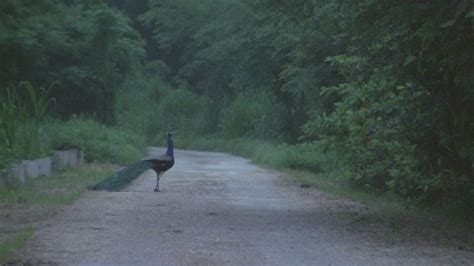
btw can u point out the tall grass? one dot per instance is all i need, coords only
(22, 109)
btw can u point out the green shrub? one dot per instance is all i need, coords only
(382, 132)
(151, 107)
(252, 115)
(100, 143)
(136, 104)
(183, 111)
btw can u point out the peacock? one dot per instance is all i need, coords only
(129, 173)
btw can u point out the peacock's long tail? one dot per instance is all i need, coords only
(123, 177)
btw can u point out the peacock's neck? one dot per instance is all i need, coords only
(170, 150)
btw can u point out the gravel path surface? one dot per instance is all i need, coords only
(217, 209)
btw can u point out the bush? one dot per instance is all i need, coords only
(99, 143)
(136, 104)
(384, 134)
(254, 115)
(183, 111)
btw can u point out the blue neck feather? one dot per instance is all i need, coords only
(170, 150)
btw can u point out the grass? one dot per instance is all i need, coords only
(45, 194)
(60, 189)
(17, 242)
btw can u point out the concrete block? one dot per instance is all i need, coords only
(68, 158)
(81, 157)
(36, 168)
(18, 170)
(3, 177)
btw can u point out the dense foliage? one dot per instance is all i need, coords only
(386, 85)
(99, 143)
(86, 46)
(382, 88)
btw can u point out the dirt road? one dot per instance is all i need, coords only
(217, 209)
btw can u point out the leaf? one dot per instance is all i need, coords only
(409, 59)
(448, 23)
(470, 14)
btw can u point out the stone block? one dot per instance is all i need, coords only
(68, 158)
(18, 170)
(36, 168)
(3, 177)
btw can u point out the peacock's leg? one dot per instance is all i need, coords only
(158, 176)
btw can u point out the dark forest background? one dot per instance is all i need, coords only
(377, 93)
